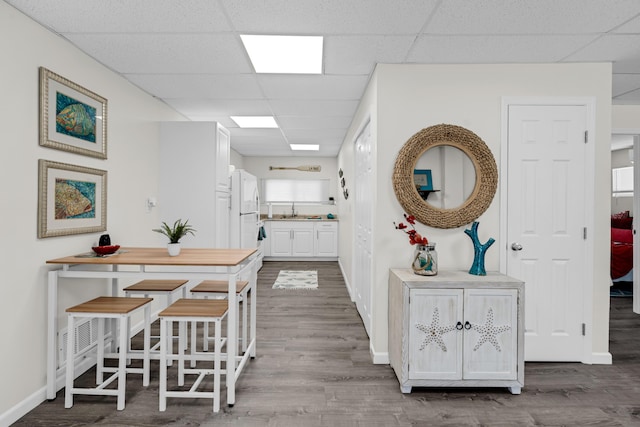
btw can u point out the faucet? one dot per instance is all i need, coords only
(293, 209)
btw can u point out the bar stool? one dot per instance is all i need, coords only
(219, 289)
(192, 310)
(148, 287)
(119, 308)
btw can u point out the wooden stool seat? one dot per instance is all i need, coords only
(192, 310)
(156, 286)
(120, 308)
(218, 286)
(196, 308)
(109, 305)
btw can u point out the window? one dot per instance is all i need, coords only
(295, 190)
(622, 182)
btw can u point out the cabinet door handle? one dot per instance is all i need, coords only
(459, 326)
(467, 325)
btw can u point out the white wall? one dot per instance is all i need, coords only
(132, 167)
(412, 97)
(259, 166)
(626, 120)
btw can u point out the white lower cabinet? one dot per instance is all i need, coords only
(291, 239)
(456, 329)
(302, 239)
(326, 239)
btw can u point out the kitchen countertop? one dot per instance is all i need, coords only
(298, 217)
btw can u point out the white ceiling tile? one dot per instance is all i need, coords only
(633, 26)
(314, 107)
(360, 54)
(166, 53)
(632, 98)
(620, 49)
(624, 83)
(324, 122)
(199, 86)
(530, 17)
(313, 87)
(229, 107)
(329, 16)
(323, 135)
(494, 49)
(139, 16)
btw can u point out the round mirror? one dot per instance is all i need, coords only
(450, 180)
(411, 183)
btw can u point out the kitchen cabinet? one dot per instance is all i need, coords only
(326, 239)
(456, 330)
(194, 180)
(302, 239)
(292, 239)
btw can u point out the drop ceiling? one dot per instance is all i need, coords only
(189, 53)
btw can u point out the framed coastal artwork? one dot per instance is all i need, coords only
(72, 118)
(71, 199)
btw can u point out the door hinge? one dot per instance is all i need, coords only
(584, 233)
(586, 136)
(584, 329)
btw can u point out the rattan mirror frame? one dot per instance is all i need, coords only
(481, 157)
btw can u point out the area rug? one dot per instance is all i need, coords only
(296, 279)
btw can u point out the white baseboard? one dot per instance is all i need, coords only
(346, 280)
(378, 358)
(23, 407)
(601, 358)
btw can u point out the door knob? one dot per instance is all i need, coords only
(516, 246)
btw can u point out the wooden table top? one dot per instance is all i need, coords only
(160, 256)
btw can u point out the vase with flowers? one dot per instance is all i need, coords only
(425, 257)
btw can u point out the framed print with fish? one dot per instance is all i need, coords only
(72, 118)
(71, 199)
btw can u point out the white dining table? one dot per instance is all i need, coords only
(193, 264)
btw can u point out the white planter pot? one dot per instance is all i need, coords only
(174, 249)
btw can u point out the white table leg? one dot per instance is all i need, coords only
(232, 341)
(253, 282)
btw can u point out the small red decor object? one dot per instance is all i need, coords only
(414, 237)
(105, 250)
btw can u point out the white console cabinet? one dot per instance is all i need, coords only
(456, 330)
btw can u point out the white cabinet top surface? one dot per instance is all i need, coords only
(454, 278)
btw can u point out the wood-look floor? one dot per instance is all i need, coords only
(313, 369)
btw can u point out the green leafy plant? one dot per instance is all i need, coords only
(177, 231)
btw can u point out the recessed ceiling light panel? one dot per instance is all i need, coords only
(255, 121)
(284, 54)
(307, 147)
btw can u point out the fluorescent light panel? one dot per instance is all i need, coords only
(284, 54)
(255, 121)
(307, 147)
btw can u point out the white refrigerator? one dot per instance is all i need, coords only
(244, 224)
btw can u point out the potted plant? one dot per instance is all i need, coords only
(175, 233)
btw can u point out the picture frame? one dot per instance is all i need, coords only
(72, 118)
(71, 199)
(422, 179)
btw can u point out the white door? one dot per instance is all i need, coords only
(363, 225)
(546, 225)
